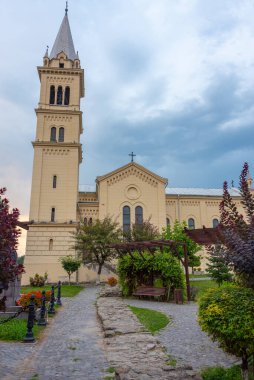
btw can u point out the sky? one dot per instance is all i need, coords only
(172, 81)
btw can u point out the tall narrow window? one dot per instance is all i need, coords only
(51, 244)
(85, 221)
(61, 134)
(138, 215)
(126, 218)
(54, 181)
(53, 134)
(191, 224)
(67, 96)
(52, 95)
(90, 221)
(215, 222)
(53, 214)
(60, 95)
(168, 221)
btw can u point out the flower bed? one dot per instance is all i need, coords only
(25, 298)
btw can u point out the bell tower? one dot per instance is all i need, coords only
(57, 156)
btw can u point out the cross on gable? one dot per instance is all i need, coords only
(132, 156)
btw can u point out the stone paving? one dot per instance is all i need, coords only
(184, 339)
(134, 353)
(70, 348)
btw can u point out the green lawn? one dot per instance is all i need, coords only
(66, 290)
(16, 330)
(151, 319)
(202, 286)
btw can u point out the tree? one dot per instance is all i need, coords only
(217, 267)
(226, 313)
(70, 264)
(142, 232)
(9, 233)
(92, 242)
(177, 233)
(237, 233)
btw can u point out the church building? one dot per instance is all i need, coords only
(131, 193)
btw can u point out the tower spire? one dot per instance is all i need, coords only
(64, 41)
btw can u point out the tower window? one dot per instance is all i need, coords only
(215, 222)
(54, 181)
(61, 65)
(138, 215)
(52, 95)
(85, 221)
(60, 95)
(168, 221)
(50, 244)
(61, 134)
(126, 218)
(90, 221)
(53, 214)
(53, 134)
(191, 224)
(67, 96)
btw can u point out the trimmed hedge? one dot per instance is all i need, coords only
(227, 314)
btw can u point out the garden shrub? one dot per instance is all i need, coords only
(37, 280)
(134, 271)
(25, 298)
(112, 281)
(226, 314)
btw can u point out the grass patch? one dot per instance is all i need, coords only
(219, 373)
(110, 370)
(171, 361)
(151, 319)
(205, 275)
(15, 330)
(66, 290)
(202, 286)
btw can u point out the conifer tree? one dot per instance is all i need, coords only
(217, 267)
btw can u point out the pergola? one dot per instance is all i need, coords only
(141, 246)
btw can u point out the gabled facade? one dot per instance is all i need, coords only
(129, 194)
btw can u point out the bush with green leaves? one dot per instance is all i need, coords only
(161, 268)
(70, 264)
(220, 373)
(226, 314)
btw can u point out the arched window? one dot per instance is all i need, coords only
(126, 218)
(50, 244)
(215, 222)
(138, 215)
(60, 95)
(85, 221)
(191, 224)
(53, 134)
(54, 181)
(67, 96)
(90, 221)
(53, 214)
(61, 134)
(168, 221)
(52, 95)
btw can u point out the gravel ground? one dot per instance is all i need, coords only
(184, 339)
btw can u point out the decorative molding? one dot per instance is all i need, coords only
(59, 80)
(132, 171)
(190, 203)
(212, 203)
(55, 118)
(56, 151)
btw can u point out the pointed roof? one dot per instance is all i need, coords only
(64, 41)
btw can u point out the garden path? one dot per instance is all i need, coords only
(70, 348)
(184, 339)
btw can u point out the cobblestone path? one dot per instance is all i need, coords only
(70, 348)
(184, 339)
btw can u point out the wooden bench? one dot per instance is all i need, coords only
(150, 291)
